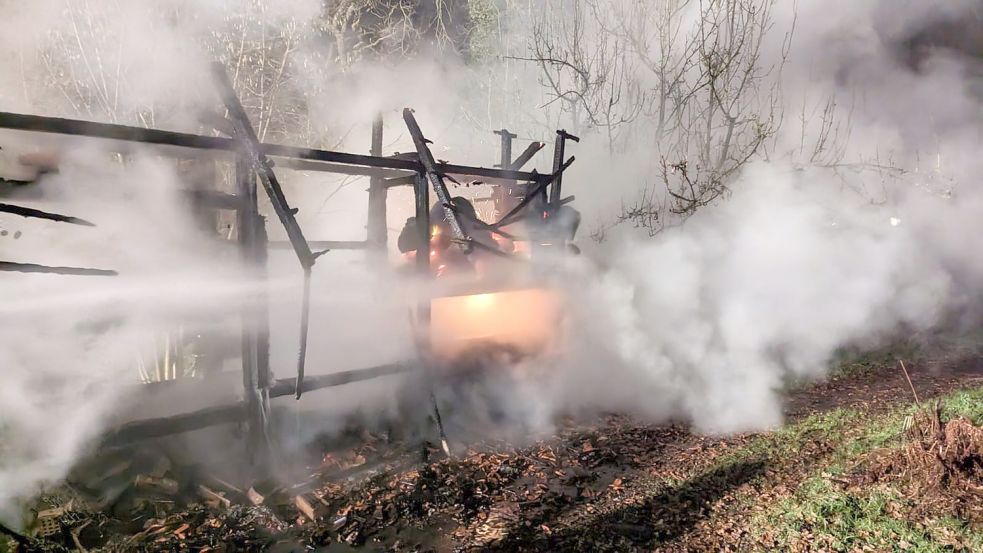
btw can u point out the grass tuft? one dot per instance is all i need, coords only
(820, 515)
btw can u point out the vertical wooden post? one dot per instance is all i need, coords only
(421, 191)
(377, 232)
(503, 195)
(255, 314)
(421, 188)
(506, 150)
(558, 153)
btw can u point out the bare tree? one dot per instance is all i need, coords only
(690, 71)
(590, 72)
(258, 50)
(94, 63)
(84, 71)
(88, 67)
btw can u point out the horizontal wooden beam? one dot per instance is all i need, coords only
(75, 127)
(336, 168)
(213, 199)
(14, 267)
(326, 244)
(407, 180)
(32, 213)
(287, 386)
(225, 414)
(165, 426)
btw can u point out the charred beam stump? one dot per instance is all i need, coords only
(376, 231)
(255, 316)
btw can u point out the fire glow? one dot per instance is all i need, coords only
(524, 319)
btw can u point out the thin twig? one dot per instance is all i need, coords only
(908, 378)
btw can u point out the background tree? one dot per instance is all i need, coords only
(686, 75)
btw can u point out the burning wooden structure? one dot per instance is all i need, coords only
(514, 190)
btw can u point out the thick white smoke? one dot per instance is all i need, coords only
(708, 321)
(71, 345)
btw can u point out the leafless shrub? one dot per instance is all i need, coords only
(691, 71)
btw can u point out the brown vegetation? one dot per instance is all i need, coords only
(941, 463)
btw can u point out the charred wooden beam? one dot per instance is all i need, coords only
(253, 153)
(11, 266)
(278, 388)
(421, 192)
(506, 148)
(558, 153)
(255, 315)
(305, 322)
(516, 165)
(208, 198)
(421, 195)
(38, 214)
(214, 199)
(238, 412)
(483, 225)
(512, 215)
(287, 386)
(407, 180)
(327, 245)
(338, 168)
(436, 181)
(376, 230)
(75, 127)
(166, 426)
(526, 155)
(503, 195)
(463, 172)
(338, 157)
(252, 149)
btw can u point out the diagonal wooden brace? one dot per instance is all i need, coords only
(510, 217)
(436, 181)
(252, 148)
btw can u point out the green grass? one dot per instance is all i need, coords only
(789, 440)
(817, 513)
(826, 517)
(965, 403)
(857, 362)
(822, 515)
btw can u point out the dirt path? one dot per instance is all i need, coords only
(880, 387)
